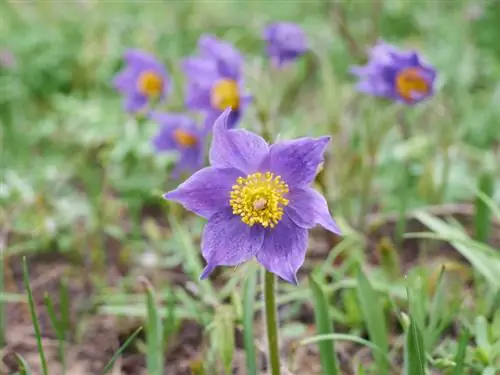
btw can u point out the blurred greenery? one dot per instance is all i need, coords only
(79, 178)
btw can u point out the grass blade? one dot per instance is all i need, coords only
(482, 217)
(154, 333)
(324, 326)
(414, 350)
(461, 352)
(59, 328)
(24, 368)
(373, 315)
(34, 319)
(122, 348)
(3, 266)
(249, 290)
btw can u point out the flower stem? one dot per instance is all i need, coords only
(271, 322)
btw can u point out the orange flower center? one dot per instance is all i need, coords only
(184, 139)
(224, 94)
(410, 81)
(150, 84)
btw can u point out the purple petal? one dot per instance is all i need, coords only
(197, 96)
(296, 161)
(200, 70)
(284, 249)
(205, 192)
(236, 148)
(135, 102)
(125, 80)
(229, 60)
(191, 159)
(227, 241)
(307, 208)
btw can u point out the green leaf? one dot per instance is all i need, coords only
(461, 353)
(482, 217)
(34, 318)
(324, 326)
(119, 352)
(222, 336)
(248, 321)
(414, 352)
(24, 368)
(373, 314)
(155, 356)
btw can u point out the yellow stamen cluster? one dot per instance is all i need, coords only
(409, 81)
(150, 84)
(183, 138)
(225, 93)
(259, 199)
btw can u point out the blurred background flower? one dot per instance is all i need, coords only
(285, 42)
(398, 75)
(178, 132)
(144, 80)
(215, 81)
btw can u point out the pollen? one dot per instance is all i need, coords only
(410, 81)
(259, 198)
(150, 84)
(225, 94)
(184, 139)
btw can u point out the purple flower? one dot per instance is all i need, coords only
(179, 133)
(7, 59)
(143, 80)
(215, 81)
(257, 199)
(285, 42)
(395, 74)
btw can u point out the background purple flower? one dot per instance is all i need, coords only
(214, 81)
(179, 133)
(285, 42)
(257, 199)
(395, 74)
(144, 79)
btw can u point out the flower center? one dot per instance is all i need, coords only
(224, 94)
(150, 83)
(410, 81)
(184, 139)
(259, 198)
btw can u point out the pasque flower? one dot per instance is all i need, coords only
(142, 81)
(179, 133)
(397, 75)
(214, 80)
(285, 42)
(258, 200)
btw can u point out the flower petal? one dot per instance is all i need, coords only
(205, 192)
(190, 160)
(135, 102)
(284, 249)
(229, 60)
(307, 208)
(236, 148)
(296, 161)
(227, 241)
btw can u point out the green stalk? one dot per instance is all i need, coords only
(482, 218)
(271, 322)
(405, 182)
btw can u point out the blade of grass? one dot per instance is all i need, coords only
(249, 290)
(482, 217)
(122, 348)
(34, 319)
(438, 309)
(324, 326)
(24, 368)
(59, 328)
(461, 352)
(374, 318)
(154, 333)
(414, 350)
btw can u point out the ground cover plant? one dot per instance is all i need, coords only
(250, 187)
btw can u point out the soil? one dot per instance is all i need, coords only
(93, 338)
